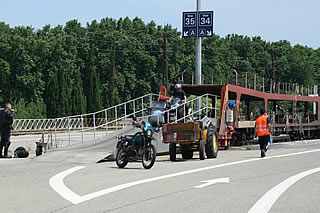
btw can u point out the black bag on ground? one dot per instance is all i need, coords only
(21, 152)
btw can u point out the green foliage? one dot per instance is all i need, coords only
(30, 109)
(72, 69)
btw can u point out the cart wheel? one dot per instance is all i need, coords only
(186, 152)
(201, 150)
(172, 151)
(212, 146)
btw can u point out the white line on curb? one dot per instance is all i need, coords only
(56, 182)
(265, 203)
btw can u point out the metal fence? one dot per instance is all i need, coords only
(87, 127)
(252, 81)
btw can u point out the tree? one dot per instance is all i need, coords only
(92, 85)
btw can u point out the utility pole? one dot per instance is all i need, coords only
(165, 60)
(198, 59)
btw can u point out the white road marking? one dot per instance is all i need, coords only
(56, 182)
(211, 182)
(265, 203)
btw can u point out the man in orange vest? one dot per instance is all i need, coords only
(263, 131)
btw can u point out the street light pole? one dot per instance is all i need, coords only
(198, 60)
(236, 76)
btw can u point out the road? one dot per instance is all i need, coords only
(287, 180)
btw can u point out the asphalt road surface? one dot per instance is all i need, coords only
(287, 180)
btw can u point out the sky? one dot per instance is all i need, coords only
(294, 20)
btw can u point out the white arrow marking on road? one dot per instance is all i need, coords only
(210, 182)
(265, 203)
(56, 182)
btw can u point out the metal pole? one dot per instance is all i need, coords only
(198, 60)
(69, 131)
(55, 132)
(246, 79)
(142, 109)
(236, 76)
(125, 113)
(94, 126)
(207, 105)
(82, 128)
(215, 107)
(116, 115)
(134, 108)
(192, 78)
(106, 114)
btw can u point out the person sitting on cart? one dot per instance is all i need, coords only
(179, 93)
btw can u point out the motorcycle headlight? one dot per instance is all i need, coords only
(149, 133)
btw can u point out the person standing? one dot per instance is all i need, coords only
(262, 130)
(5, 127)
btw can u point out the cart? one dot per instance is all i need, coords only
(192, 136)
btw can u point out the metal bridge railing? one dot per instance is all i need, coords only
(207, 108)
(87, 127)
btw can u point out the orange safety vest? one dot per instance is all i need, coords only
(262, 127)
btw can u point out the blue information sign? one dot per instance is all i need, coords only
(197, 24)
(205, 24)
(189, 24)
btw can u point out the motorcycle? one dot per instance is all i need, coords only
(131, 148)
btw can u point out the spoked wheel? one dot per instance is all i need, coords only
(121, 159)
(201, 150)
(172, 151)
(149, 157)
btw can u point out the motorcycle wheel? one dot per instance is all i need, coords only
(149, 157)
(121, 160)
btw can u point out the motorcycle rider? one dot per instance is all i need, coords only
(179, 93)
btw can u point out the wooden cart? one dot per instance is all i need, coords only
(192, 136)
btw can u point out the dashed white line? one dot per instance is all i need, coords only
(56, 182)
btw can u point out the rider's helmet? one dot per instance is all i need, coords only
(177, 87)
